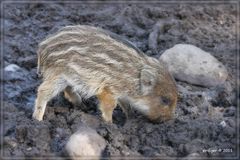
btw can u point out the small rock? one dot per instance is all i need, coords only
(13, 72)
(193, 156)
(29, 149)
(84, 143)
(193, 65)
(11, 68)
(223, 124)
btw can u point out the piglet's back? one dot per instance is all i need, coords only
(92, 53)
(88, 46)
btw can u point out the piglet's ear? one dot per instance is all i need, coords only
(148, 78)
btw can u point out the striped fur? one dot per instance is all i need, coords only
(90, 59)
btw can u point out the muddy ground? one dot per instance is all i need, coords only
(206, 118)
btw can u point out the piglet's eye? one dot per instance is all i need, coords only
(164, 100)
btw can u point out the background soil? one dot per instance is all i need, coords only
(206, 118)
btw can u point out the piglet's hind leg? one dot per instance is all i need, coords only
(46, 91)
(107, 104)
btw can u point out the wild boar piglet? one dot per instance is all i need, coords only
(84, 61)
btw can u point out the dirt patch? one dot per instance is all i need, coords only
(206, 118)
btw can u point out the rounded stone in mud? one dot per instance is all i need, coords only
(193, 65)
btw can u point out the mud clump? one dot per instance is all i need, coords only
(206, 118)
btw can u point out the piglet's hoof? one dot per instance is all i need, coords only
(37, 116)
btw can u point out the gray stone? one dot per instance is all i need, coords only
(193, 65)
(11, 68)
(85, 143)
(223, 124)
(13, 72)
(193, 156)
